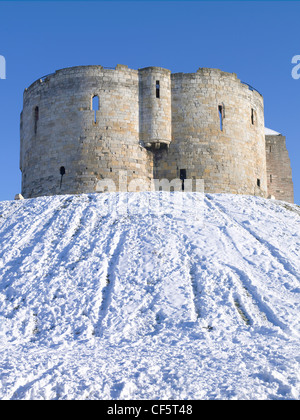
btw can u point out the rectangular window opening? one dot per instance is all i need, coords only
(36, 118)
(157, 89)
(220, 110)
(95, 106)
(258, 182)
(253, 116)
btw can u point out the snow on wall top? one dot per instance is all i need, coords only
(269, 132)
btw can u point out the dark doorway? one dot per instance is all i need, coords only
(36, 118)
(62, 172)
(182, 177)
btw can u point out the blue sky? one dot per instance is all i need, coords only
(255, 39)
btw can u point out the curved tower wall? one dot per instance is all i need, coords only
(155, 106)
(231, 159)
(67, 135)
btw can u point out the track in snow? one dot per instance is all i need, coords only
(220, 271)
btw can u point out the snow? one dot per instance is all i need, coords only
(149, 296)
(269, 132)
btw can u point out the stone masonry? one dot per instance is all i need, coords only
(86, 126)
(279, 173)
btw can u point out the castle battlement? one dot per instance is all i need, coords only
(94, 122)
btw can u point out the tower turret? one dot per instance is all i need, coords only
(155, 106)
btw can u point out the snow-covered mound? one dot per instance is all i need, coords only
(149, 296)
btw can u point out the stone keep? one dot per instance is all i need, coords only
(125, 128)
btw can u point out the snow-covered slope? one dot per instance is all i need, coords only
(149, 296)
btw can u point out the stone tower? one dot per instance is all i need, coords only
(279, 172)
(217, 134)
(88, 124)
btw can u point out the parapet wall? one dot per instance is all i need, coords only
(149, 123)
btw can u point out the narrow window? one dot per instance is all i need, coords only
(157, 89)
(62, 171)
(36, 118)
(253, 116)
(271, 179)
(95, 106)
(182, 177)
(221, 116)
(270, 149)
(258, 182)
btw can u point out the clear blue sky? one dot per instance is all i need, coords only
(256, 40)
